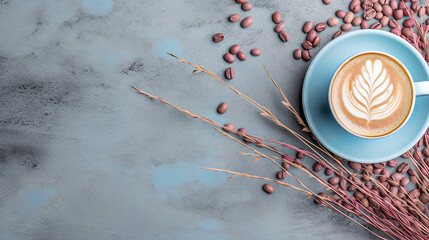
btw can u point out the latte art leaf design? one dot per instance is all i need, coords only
(371, 95)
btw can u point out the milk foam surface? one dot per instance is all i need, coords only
(372, 95)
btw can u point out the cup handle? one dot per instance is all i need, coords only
(422, 88)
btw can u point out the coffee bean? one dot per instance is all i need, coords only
(378, 165)
(427, 158)
(394, 4)
(334, 180)
(396, 31)
(408, 23)
(346, 27)
(367, 4)
(284, 36)
(234, 49)
(398, 14)
(384, 21)
(242, 130)
(351, 188)
(286, 166)
(385, 172)
(279, 27)
(408, 32)
(332, 22)
(418, 155)
(307, 26)
(340, 13)
(229, 127)
(424, 197)
(218, 37)
(365, 202)
(247, 6)
(402, 5)
(408, 14)
(427, 10)
(358, 195)
(277, 17)
(349, 17)
(247, 22)
(415, 6)
(377, 7)
(338, 33)
(355, 166)
(366, 177)
(311, 36)
(234, 18)
(281, 175)
(426, 151)
(414, 179)
(241, 56)
(393, 23)
(317, 167)
(415, 193)
(297, 53)
(329, 171)
(369, 14)
(268, 188)
(368, 185)
(376, 25)
(306, 55)
(404, 181)
(383, 2)
(392, 163)
(382, 179)
(229, 73)
(403, 167)
(327, 2)
(421, 12)
(397, 176)
(316, 41)
(320, 27)
(307, 45)
(229, 58)
(394, 190)
(379, 15)
(364, 24)
(240, 1)
(256, 52)
(222, 108)
(300, 155)
(378, 170)
(387, 11)
(412, 172)
(357, 21)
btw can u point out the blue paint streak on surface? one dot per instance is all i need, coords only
(210, 225)
(169, 45)
(97, 7)
(34, 198)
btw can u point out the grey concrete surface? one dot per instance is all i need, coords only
(82, 156)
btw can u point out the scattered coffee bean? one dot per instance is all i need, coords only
(392, 163)
(424, 197)
(229, 58)
(384, 21)
(379, 15)
(402, 5)
(234, 18)
(247, 6)
(349, 17)
(297, 53)
(397, 176)
(320, 27)
(382, 179)
(385, 172)
(387, 11)
(316, 41)
(404, 181)
(358, 195)
(332, 22)
(393, 23)
(421, 12)
(327, 2)
(283, 36)
(241, 56)
(317, 167)
(367, 4)
(256, 52)
(338, 33)
(307, 45)
(311, 36)
(396, 31)
(415, 193)
(378, 165)
(346, 27)
(268, 188)
(356, 9)
(334, 180)
(357, 21)
(307, 27)
(377, 7)
(394, 4)
(415, 6)
(383, 2)
(306, 55)
(242, 130)
(222, 108)
(414, 179)
(277, 17)
(408, 32)
(406, 13)
(229, 127)
(340, 13)
(281, 175)
(408, 23)
(403, 167)
(398, 14)
(286, 166)
(234, 49)
(426, 151)
(329, 171)
(218, 37)
(355, 166)
(279, 27)
(364, 24)
(365, 202)
(300, 155)
(412, 172)
(351, 188)
(394, 190)
(229, 73)
(247, 22)
(376, 25)
(240, 1)
(378, 170)
(369, 14)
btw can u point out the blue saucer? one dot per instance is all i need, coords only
(315, 97)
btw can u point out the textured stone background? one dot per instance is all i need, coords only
(82, 156)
